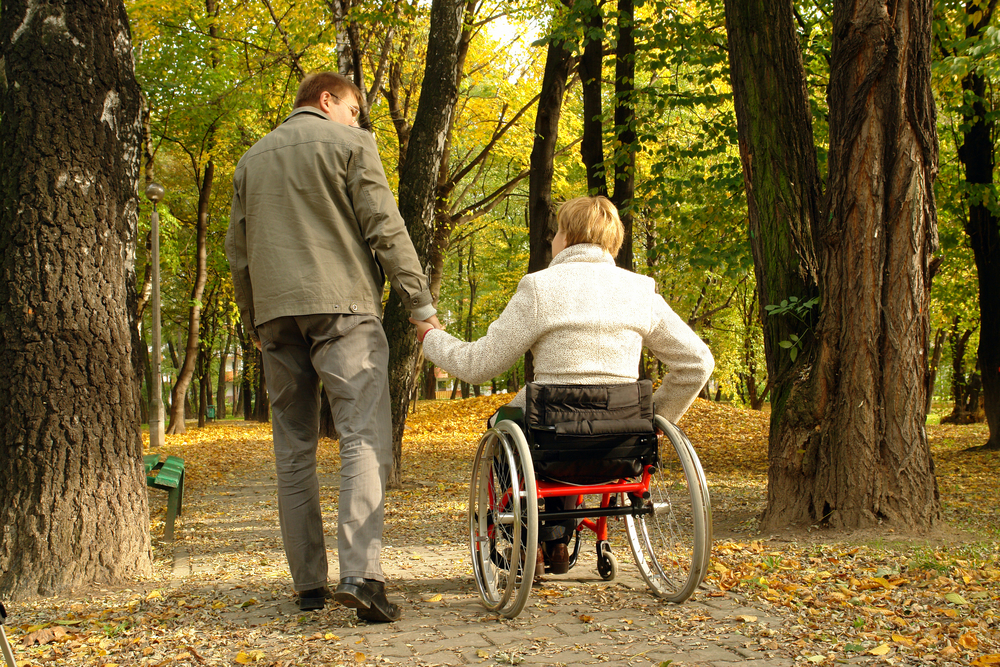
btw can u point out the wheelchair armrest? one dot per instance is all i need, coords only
(514, 414)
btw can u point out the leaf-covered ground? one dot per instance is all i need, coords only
(874, 598)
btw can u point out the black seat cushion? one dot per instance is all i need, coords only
(587, 434)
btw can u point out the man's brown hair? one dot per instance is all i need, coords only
(314, 85)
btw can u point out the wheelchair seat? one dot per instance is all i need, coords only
(589, 434)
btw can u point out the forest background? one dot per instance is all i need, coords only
(777, 166)
(219, 75)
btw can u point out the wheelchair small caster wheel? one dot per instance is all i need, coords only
(607, 564)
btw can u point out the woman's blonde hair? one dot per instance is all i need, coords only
(591, 220)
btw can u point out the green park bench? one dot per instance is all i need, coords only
(167, 475)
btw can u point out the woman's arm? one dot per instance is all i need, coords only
(689, 361)
(506, 340)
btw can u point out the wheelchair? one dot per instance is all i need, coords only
(587, 440)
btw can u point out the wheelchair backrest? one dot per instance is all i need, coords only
(589, 433)
(590, 409)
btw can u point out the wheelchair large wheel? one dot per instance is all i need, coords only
(503, 519)
(672, 546)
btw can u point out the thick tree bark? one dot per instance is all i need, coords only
(780, 177)
(872, 461)
(186, 372)
(73, 504)
(418, 180)
(983, 226)
(847, 446)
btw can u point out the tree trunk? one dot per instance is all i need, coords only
(220, 391)
(248, 354)
(847, 446)
(204, 383)
(186, 371)
(932, 369)
(262, 406)
(541, 209)
(983, 226)
(625, 147)
(984, 236)
(430, 381)
(417, 184)
(782, 185)
(146, 375)
(961, 383)
(591, 70)
(327, 427)
(73, 504)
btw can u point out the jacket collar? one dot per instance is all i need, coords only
(306, 109)
(583, 252)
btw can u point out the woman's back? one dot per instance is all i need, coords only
(585, 321)
(592, 318)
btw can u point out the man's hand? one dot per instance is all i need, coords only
(423, 326)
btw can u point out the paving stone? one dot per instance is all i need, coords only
(393, 651)
(441, 658)
(458, 643)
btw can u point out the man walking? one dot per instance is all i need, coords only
(313, 232)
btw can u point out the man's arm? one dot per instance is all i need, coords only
(239, 265)
(384, 230)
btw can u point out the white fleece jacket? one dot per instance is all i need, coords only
(585, 321)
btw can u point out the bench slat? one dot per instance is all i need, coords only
(169, 477)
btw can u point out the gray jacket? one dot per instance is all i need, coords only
(314, 226)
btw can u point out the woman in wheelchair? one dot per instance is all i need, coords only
(585, 321)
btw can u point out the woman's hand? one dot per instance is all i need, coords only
(423, 326)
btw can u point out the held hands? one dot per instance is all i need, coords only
(423, 326)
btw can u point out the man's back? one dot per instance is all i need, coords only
(319, 219)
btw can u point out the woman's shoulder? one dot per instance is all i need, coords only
(585, 271)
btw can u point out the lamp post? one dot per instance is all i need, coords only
(154, 192)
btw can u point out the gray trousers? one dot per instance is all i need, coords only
(349, 355)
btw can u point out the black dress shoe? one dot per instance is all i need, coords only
(313, 599)
(368, 597)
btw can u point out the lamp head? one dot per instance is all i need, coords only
(154, 192)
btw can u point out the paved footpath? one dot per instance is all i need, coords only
(571, 619)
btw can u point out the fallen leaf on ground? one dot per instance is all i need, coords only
(44, 636)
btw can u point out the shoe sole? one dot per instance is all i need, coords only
(353, 599)
(376, 615)
(308, 604)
